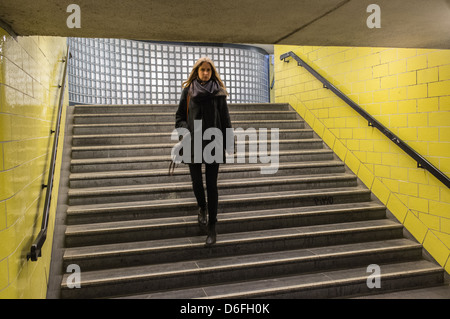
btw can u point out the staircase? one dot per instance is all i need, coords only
(308, 231)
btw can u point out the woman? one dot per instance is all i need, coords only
(204, 100)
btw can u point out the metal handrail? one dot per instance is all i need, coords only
(35, 250)
(421, 161)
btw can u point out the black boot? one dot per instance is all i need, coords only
(211, 239)
(202, 212)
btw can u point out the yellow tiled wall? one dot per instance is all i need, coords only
(30, 71)
(408, 91)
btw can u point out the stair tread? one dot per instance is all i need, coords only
(167, 157)
(262, 287)
(171, 113)
(224, 239)
(92, 191)
(84, 136)
(238, 215)
(224, 198)
(185, 170)
(159, 145)
(78, 125)
(251, 260)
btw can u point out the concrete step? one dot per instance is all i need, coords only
(95, 213)
(161, 162)
(200, 272)
(171, 108)
(133, 150)
(166, 117)
(158, 138)
(232, 244)
(343, 283)
(155, 127)
(117, 194)
(238, 221)
(181, 174)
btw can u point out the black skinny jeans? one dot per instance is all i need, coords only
(211, 173)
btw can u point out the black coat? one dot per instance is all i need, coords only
(212, 111)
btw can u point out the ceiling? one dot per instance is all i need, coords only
(408, 24)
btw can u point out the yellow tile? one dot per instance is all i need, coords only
(408, 106)
(429, 220)
(329, 138)
(427, 75)
(416, 63)
(417, 175)
(366, 176)
(389, 82)
(388, 55)
(2, 216)
(408, 188)
(397, 208)
(5, 127)
(439, 119)
(406, 53)
(444, 72)
(439, 149)
(381, 96)
(371, 60)
(437, 58)
(382, 171)
(380, 70)
(389, 159)
(398, 120)
(418, 91)
(6, 184)
(397, 67)
(408, 78)
(417, 119)
(419, 204)
(4, 274)
(398, 94)
(428, 133)
(416, 227)
(439, 208)
(399, 173)
(408, 133)
(444, 134)
(380, 191)
(352, 162)
(428, 105)
(439, 88)
(436, 248)
(1, 157)
(340, 149)
(429, 192)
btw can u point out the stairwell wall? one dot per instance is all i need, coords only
(30, 71)
(408, 91)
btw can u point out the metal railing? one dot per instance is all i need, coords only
(35, 250)
(421, 161)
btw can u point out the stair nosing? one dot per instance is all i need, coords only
(185, 202)
(398, 245)
(234, 168)
(141, 247)
(136, 225)
(226, 183)
(167, 157)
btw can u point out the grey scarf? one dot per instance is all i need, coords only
(209, 89)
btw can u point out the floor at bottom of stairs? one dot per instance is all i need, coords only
(439, 292)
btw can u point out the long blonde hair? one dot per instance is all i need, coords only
(194, 73)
